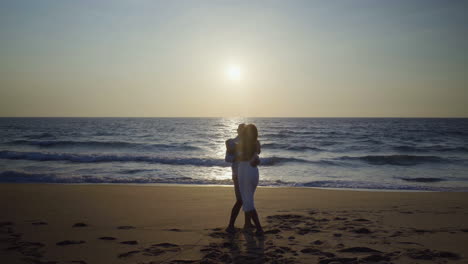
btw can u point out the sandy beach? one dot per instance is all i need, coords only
(55, 223)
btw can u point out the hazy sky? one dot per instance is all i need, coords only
(294, 58)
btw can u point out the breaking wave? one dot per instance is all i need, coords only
(89, 158)
(25, 177)
(102, 144)
(400, 160)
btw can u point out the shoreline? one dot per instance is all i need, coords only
(227, 186)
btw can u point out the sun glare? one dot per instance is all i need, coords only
(234, 73)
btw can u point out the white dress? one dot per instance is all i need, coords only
(248, 177)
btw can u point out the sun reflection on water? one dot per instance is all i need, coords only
(225, 129)
(220, 174)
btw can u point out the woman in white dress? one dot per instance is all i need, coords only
(248, 175)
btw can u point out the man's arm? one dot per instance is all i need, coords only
(230, 152)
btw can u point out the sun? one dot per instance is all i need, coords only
(234, 73)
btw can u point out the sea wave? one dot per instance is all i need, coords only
(270, 161)
(400, 160)
(421, 179)
(436, 148)
(377, 186)
(40, 136)
(289, 147)
(90, 158)
(25, 177)
(101, 144)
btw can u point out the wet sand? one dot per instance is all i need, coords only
(55, 223)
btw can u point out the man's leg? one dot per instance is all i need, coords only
(234, 213)
(237, 206)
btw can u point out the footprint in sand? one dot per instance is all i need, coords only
(158, 249)
(70, 242)
(317, 242)
(273, 231)
(128, 254)
(337, 260)
(314, 251)
(80, 225)
(126, 227)
(428, 254)
(359, 250)
(361, 220)
(375, 258)
(39, 223)
(304, 230)
(130, 242)
(107, 238)
(27, 248)
(180, 261)
(362, 231)
(340, 218)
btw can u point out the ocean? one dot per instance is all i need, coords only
(419, 154)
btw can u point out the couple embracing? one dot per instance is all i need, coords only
(242, 151)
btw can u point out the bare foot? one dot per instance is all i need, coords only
(231, 229)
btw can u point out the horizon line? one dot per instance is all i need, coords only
(452, 117)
